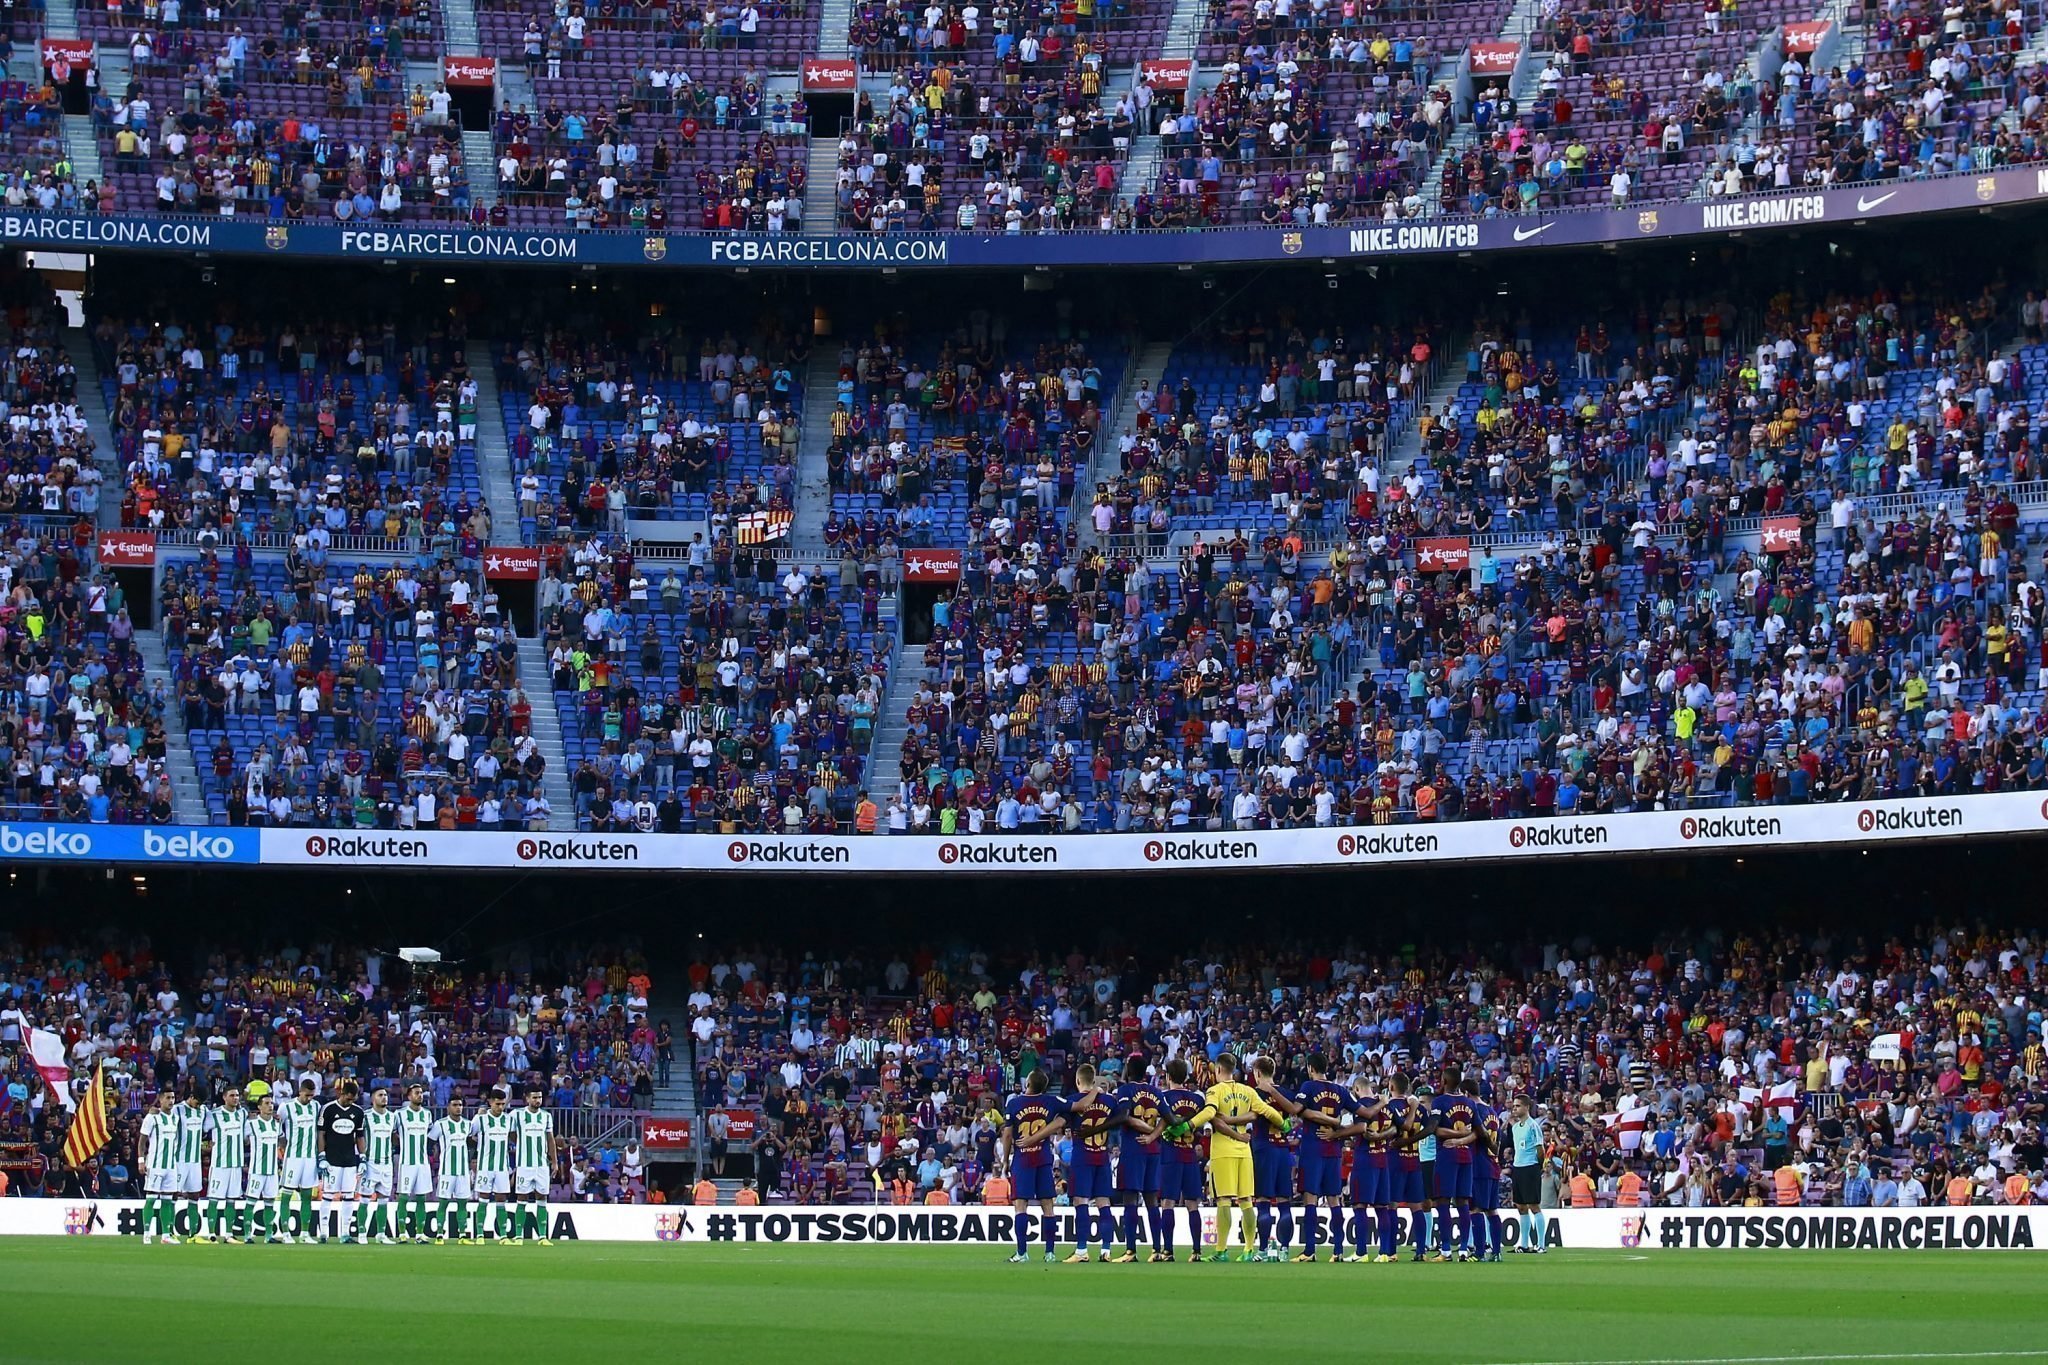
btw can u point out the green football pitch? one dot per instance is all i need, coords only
(92, 1299)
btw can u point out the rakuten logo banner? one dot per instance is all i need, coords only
(1391, 843)
(1561, 836)
(1904, 819)
(1740, 828)
(1001, 853)
(762, 853)
(577, 852)
(1213, 851)
(365, 848)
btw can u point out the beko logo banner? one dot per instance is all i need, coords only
(126, 844)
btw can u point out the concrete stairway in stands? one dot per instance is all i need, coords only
(1406, 444)
(1148, 369)
(189, 799)
(458, 17)
(92, 401)
(547, 731)
(821, 190)
(83, 149)
(480, 161)
(494, 447)
(834, 28)
(884, 776)
(813, 463)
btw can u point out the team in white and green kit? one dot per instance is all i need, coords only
(421, 1176)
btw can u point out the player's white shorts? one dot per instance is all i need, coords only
(494, 1182)
(453, 1187)
(262, 1187)
(531, 1181)
(224, 1183)
(301, 1172)
(189, 1181)
(376, 1182)
(341, 1181)
(163, 1180)
(415, 1180)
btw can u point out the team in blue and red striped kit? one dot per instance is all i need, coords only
(1432, 1155)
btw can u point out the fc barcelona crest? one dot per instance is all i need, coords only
(1646, 221)
(1987, 187)
(654, 248)
(277, 238)
(1290, 242)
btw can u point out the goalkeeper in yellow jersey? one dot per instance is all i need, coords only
(1228, 1108)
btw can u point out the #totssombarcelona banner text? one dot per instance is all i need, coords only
(976, 1226)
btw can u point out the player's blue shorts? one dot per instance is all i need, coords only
(1321, 1175)
(1272, 1173)
(1453, 1180)
(1182, 1181)
(1029, 1184)
(1138, 1173)
(1088, 1182)
(1485, 1187)
(1404, 1183)
(1370, 1183)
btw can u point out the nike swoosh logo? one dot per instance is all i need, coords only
(1866, 205)
(1524, 234)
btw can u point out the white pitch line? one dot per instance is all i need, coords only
(1788, 1360)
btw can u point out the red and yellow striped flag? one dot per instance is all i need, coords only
(88, 1131)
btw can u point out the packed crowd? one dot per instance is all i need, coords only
(82, 737)
(316, 426)
(652, 117)
(1308, 131)
(1035, 152)
(1622, 659)
(717, 160)
(575, 1026)
(1704, 1072)
(732, 695)
(279, 124)
(48, 465)
(976, 438)
(354, 696)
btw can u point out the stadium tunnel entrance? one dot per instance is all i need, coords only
(916, 604)
(519, 601)
(829, 113)
(471, 106)
(138, 591)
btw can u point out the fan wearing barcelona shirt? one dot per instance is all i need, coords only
(1031, 1120)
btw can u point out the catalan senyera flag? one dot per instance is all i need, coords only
(762, 528)
(88, 1132)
